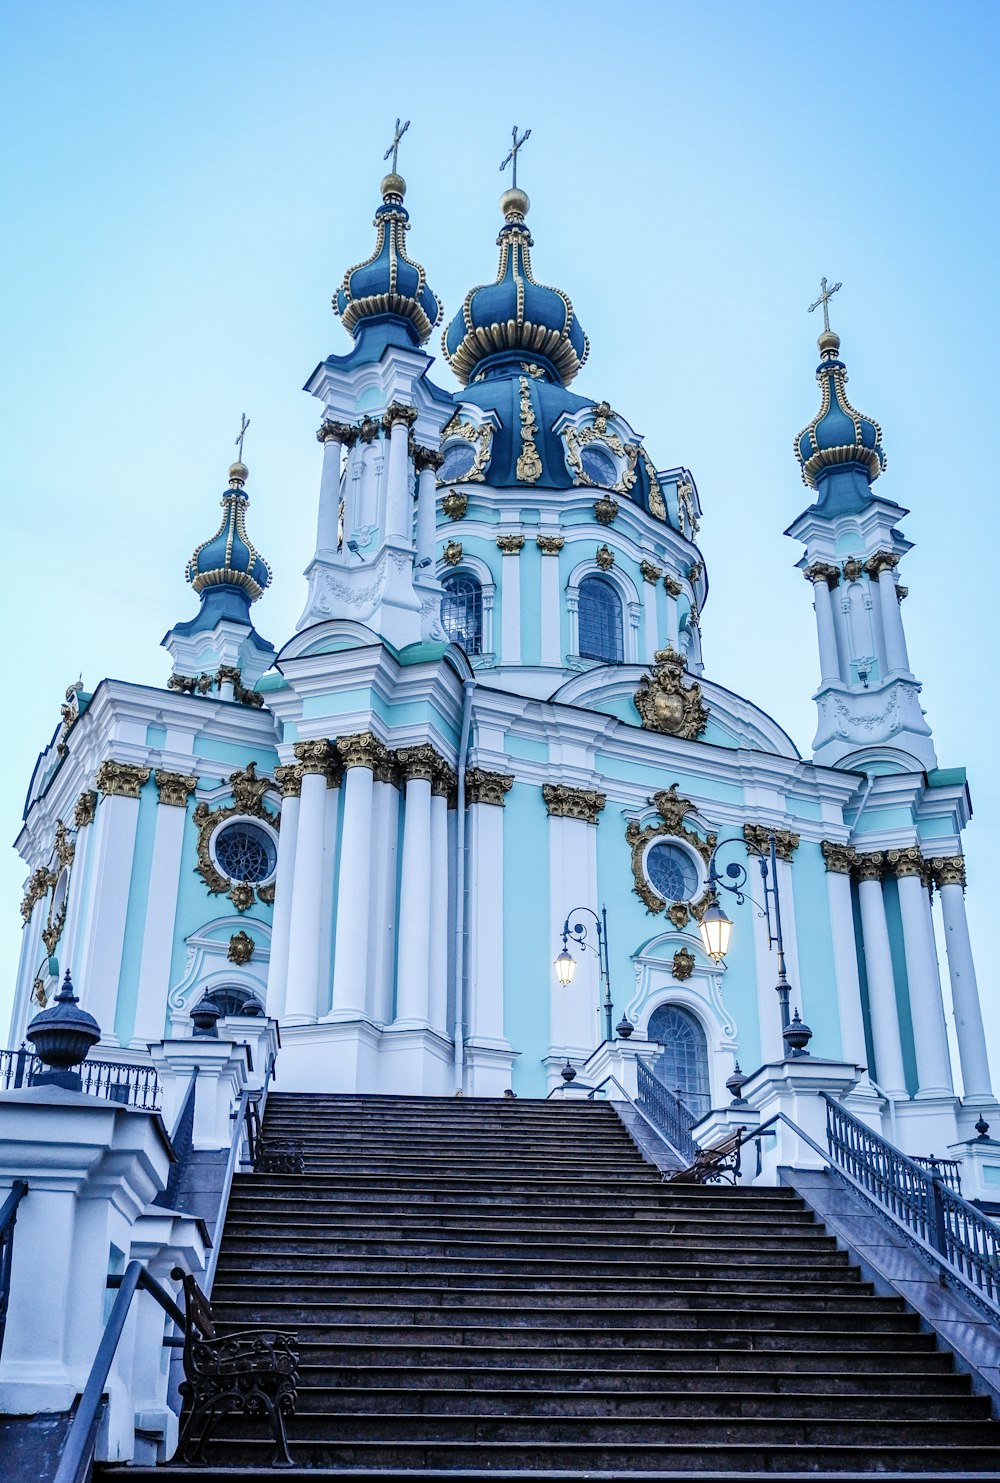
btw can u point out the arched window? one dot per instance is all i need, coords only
(233, 1000)
(462, 611)
(600, 619)
(682, 1064)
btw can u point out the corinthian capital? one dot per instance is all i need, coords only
(289, 779)
(870, 866)
(487, 787)
(174, 787)
(948, 870)
(510, 545)
(399, 412)
(336, 432)
(840, 858)
(882, 561)
(363, 749)
(314, 756)
(121, 779)
(822, 571)
(908, 861)
(418, 764)
(572, 803)
(426, 458)
(758, 841)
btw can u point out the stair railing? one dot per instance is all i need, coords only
(247, 1119)
(672, 1117)
(8, 1215)
(964, 1243)
(128, 1082)
(78, 1453)
(654, 1128)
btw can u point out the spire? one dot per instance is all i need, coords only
(228, 573)
(501, 323)
(840, 451)
(389, 286)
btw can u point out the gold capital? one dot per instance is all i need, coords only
(363, 749)
(840, 858)
(418, 764)
(550, 545)
(948, 870)
(314, 756)
(907, 861)
(174, 787)
(563, 802)
(822, 571)
(510, 545)
(757, 840)
(870, 866)
(487, 787)
(426, 458)
(882, 561)
(336, 432)
(398, 412)
(289, 779)
(121, 779)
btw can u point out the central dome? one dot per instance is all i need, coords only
(500, 323)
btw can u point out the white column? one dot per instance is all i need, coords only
(551, 606)
(76, 900)
(930, 1034)
(484, 962)
(354, 883)
(821, 575)
(881, 568)
(427, 462)
(510, 598)
(650, 640)
(889, 1071)
(414, 946)
(962, 972)
(302, 990)
(384, 875)
(290, 781)
(174, 789)
(673, 623)
(845, 957)
(399, 512)
(440, 887)
(332, 435)
(576, 1024)
(96, 979)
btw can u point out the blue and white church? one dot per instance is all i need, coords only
(496, 711)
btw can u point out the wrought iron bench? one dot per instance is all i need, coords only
(253, 1372)
(713, 1164)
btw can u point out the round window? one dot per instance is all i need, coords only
(671, 872)
(245, 852)
(458, 461)
(599, 466)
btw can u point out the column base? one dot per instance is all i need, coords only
(926, 1125)
(488, 1067)
(415, 1061)
(339, 1056)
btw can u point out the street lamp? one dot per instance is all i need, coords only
(716, 928)
(565, 963)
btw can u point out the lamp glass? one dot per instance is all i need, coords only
(716, 929)
(565, 966)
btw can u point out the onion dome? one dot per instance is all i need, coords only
(388, 284)
(839, 440)
(503, 322)
(229, 563)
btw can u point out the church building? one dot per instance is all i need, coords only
(494, 740)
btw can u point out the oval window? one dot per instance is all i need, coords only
(671, 872)
(245, 851)
(599, 466)
(458, 461)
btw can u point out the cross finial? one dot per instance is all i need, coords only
(394, 146)
(244, 424)
(515, 145)
(825, 295)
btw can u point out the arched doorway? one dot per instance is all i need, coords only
(682, 1063)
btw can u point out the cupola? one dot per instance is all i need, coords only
(840, 451)
(228, 563)
(515, 319)
(389, 287)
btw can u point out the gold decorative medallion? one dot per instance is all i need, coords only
(605, 509)
(454, 505)
(650, 573)
(605, 558)
(674, 588)
(453, 553)
(241, 948)
(683, 964)
(666, 704)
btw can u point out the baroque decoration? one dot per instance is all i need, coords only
(511, 545)
(563, 802)
(576, 439)
(241, 948)
(683, 964)
(454, 505)
(666, 704)
(481, 441)
(121, 779)
(529, 464)
(248, 802)
(757, 838)
(673, 810)
(487, 787)
(453, 553)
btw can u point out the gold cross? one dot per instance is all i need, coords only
(244, 424)
(825, 295)
(394, 146)
(515, 145)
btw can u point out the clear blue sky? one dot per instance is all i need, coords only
(184, 185)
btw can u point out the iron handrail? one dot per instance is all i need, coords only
(673, 1117)
(658, 1131)
(247, 1119)
(78, 1454)
(129, 1082)
(8, 1215)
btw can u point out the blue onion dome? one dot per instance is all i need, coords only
(839, 439)
(515, 317)
(229, 561)
(388, 284)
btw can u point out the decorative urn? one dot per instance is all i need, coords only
(62, 1035)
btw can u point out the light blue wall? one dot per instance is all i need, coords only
(816, 992)
(528, 952)
(890, 895)
(135, 917)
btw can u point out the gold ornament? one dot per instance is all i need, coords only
(510, 545)
(673, 810)
(683, 964)
(650, 572)
(248, 799)
(572, 803)
(757, 839)
(605, 509)
(487, 787)
(241, 948)
(85, 809)
(840, 858)
(454, 505)
(174, 788)
(529, 464)
(550, 545)
(121, 779)
(605, 558)
(453, 553)
(666, 704)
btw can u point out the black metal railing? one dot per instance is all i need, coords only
(666, 1110)
(117, 1081)
(8, 1215)
(966, 1242)
(950, 1170)
(76, 1462)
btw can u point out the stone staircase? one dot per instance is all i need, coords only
(508, 1287)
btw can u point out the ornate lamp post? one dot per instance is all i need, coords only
(565, 963)
(716, 928)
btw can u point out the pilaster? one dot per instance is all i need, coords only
(173, 791)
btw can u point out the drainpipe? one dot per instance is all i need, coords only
(870, 776)
(468, 687)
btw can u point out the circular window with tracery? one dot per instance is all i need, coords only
(245, 851)
(459, 459)
(671, 871)
(599, 466)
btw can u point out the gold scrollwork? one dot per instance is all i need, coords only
(529, 464)
(481, 439)
(563, 802)
(657, 504)
(673, 810)
(665, 703)
(682, 966)
(248, 801)
(757, 837)
(576, 440)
